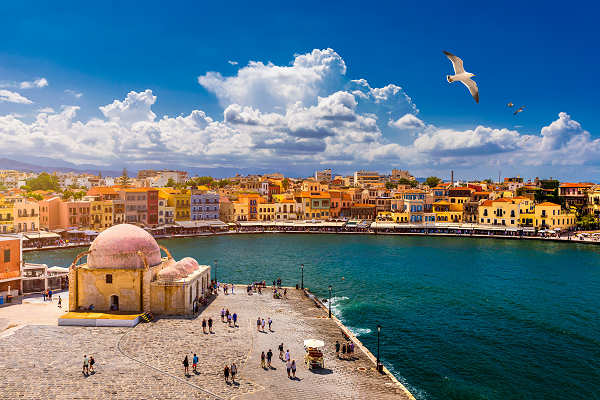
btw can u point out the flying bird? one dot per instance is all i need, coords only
(519, 110)
(462, 76)
(510, 104)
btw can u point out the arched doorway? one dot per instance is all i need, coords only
(114, 303)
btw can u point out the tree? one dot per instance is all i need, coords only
(171, 183)
(204, 180)
(67, 194)
(124, 178)
(43, 181)
(78, 195)
(432, 181)
(390, 185)
(223, 183)
(35, 196)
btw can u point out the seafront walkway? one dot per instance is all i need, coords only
(44, 361)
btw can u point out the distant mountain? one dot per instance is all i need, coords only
(6, 163)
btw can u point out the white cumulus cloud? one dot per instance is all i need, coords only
(38, 83)
(13, 97)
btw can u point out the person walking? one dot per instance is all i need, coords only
(50, 295)
(226, 373)
(270, 322)
(91, 367)
(229, 319)
(287, 356)
(258, 324)
(186, 365)
(223, 314)
(344, 350)
(226, 314)
(210, 325)
(44, 294)
(59, 302)
(195, 363)
(269, 357)
(294, 369)
(233, 372)
(262, 360)
(235, 319)
(337, 348)
(204, 326)
(85, 365)
(288, 367)
(263, 324)
(281, 351)
(232, 289)
(351, 350)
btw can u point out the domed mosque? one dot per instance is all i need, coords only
(126, 272)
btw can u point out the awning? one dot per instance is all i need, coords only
(90, 233)
(58, 270)
(41, 235)
(76, 231)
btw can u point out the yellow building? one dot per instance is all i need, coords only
(551, 216)
(26, 214)
(125, 272)
(316, 205)
(393, 216)
(166, 214)
(593, 200)
(267, 211)
(504, 211)
(180, 200)
(446, 211)
(6, 215)
(286, 210)
(101, 214)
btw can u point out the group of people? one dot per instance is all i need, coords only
(88, 365)
(261, 323)
(47, 295)
(228, 317)
(290, 365)
(186, 364)
(230, 371)
(208, 323)
(346, 349)
(228, 288)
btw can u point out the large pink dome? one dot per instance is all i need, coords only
(118, 246)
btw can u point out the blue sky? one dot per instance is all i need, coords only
(542, 56)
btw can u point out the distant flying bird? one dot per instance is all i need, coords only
(462, 76)
(510, 104)
(519, 110)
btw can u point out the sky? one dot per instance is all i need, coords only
(299, 86)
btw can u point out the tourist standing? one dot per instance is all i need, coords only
(258, 324)
(223, 314)
(204, 326)
(262, 360)
(186, 365)
(85, 365)
(294, 369)
(44, 294)
(288, 367)
(344, 350)
(210, 325)
(92, 362)
(235, 319)
(232, 289)
(281, 351)
(233, 372)
(59, 302)
(195, 363)
(269, 357)
(270, 322)
(351, 349)
(229, 319)
(263, 324)
(226, 373)
(337, 348)
(50, 295)
(287, 356)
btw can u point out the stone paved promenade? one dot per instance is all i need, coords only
(44, 362)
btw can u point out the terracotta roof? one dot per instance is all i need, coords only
(316, 195)
(442, 203)
(547, 204)
(576, 185)
(99, 190)
(362, 205)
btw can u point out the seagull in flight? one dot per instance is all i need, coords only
(519, 110)
(462, 76)
(510, 104)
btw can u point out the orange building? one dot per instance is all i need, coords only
(10, 266)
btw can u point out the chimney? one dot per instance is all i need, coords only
(452, 178)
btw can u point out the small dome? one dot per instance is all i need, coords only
(118, 246)
(178, 270)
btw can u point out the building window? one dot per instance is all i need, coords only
(108, 278)
(7, 255)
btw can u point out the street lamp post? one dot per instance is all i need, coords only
(329, 301)
(378, 332)
(216, 280)
(302, 282)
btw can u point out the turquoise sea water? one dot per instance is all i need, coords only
(463, 318)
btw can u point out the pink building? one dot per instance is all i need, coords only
(50, 213)
(74, 214)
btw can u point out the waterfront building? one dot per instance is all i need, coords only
(50, 216)
(203, 205)
(550, 216)
(593, 201)
(136, 205)
(316, 204)
(26, 215)
(311, 185)
(286, 209)
(267, 211)
(74, 213)
(574, 194)
(446, 211)
(504, 211)
(180, 200)
(6, 215)
(398, 217)
(166, 214)
(414, 204)
(360, 211)
(101, 213)
(226, 210)
(11, 256)
(126, 272)
(440, 193)
(246, 206)
(339, 200)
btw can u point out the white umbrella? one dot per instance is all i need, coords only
(313, 343)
